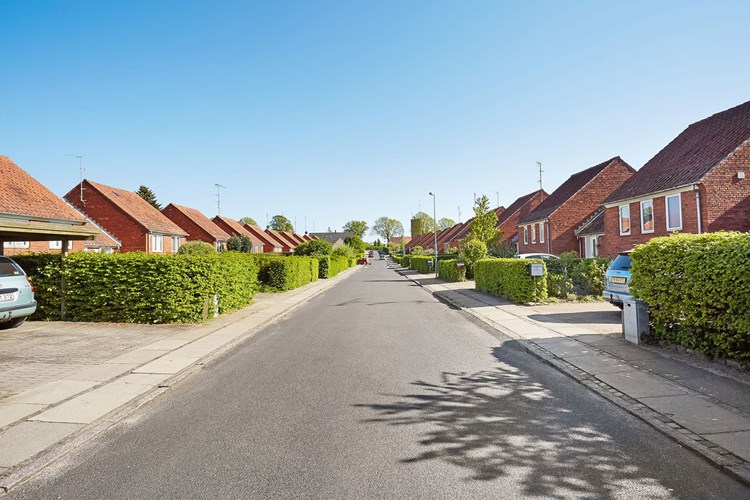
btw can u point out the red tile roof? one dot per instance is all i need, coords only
(691, 155)
(233, 227)
(136, 207)
(263, 236)
(201, 221)
(24, 195)
(281, 239)
(516, 206)
(566, 191)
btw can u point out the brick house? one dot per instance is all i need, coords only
(286, 245)
(696, 184)
(507, 222)
(32, 218)
(233, 227)
(590, 235)
(270, 244)
(550, 228)
(128, 217)
(196, 225)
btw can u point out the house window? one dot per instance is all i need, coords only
(533, 233)
(16, 244)
(647, 216)
(674, 213)
(55, 245)
(157, 242)
(541, 232)
(175, 244)
(525, 235)
(625, 220)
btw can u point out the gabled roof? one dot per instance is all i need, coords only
(593, 225)
(200, 220)
(333, 236)
(232, 227)
(103, 239)
(266, 238)
(691, 155)
(566, 191)
(517, 205)
(449, 233)
(464, 230)
(285, 243)
(135, 207)
(23, 195)
(294, 237)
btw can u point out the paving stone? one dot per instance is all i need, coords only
(103, 372)
(598, 363)
(630, 352)
(168, 364)
(698, 415)
(564, 347)
(735, 442)
(26, 439)
(640, 384)
(51, 393)
(138, 356)
(12, 412)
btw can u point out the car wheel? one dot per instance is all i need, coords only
(12, 323)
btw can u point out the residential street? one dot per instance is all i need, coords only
(374, 389)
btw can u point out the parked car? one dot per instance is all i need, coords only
(617, 280)
(535, 256)
(16, 294)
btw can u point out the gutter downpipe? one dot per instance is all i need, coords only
(698, 207)
(546, 223)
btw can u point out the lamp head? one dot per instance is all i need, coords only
(432, 194)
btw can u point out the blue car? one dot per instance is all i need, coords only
(617, 280)
(16, 294)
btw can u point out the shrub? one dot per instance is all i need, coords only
(43, 269)
(314, 247)
(473, 251)
(449, 270)
(141, 288)
(279, 274)
(572, 275)
(509, 278)
(421, 263)
(238, 243)
(196, 248)
(697, 288)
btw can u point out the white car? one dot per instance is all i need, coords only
(536, 256)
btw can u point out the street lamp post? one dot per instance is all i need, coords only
(434, 231)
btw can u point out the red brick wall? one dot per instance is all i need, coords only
(725, 199)
(195, 232)
(100, 210)
(615, 243)
(510, 226)
(574, 212)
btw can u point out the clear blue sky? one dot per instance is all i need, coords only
(340, 110)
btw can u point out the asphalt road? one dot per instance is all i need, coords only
(374, 390)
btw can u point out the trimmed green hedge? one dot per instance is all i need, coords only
(576, 276)
(697, 288)
(420, 263)
(448, 270)
(141, 288)
(337, 264)
(509, 278)
(285, 273)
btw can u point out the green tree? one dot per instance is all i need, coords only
(386, 228)
(445, 223)
(355, 242)
(421, 224)
(196, 248)
(249, 221)
(314, 247)
(472, 251)
(238, 243)
(483, 227)
(148, 195)
(281, 223)
(356, 227)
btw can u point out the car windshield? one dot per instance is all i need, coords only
(621, 263)
(7, 268)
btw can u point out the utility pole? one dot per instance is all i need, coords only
(540, 174)
(219, 187)
(81, 170)
(434, 220)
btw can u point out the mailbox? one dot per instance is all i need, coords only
(535, 269)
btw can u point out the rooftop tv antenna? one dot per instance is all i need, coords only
(540, 174)
(82, 170)
(219, 187)
(497, 193)
(459, 214)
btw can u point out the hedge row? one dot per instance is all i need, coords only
(697, 288)
(509, 278)
(448, 270)
(331, 265)
(576, 276)
(276, 273)
(141, 288)
(421, 263)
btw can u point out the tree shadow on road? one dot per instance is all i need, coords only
(502, 423)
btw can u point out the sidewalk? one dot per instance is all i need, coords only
(701, 410)
(63, 383)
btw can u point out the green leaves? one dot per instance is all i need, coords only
(509, 278)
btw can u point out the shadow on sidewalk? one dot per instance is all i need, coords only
(502, 423)
(583, 317)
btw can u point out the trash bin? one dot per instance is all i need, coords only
(635, 320)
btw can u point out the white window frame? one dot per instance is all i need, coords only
(55, 245)
(175, 244)
(679, 211)
(630, 220)
(157, 243)
(653, 221)
(541, 232)
(533, 233)
(525, 235)
(15, 244)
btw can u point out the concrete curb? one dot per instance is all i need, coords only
(31, 466)
(714, 454)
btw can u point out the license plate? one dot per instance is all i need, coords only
(619, 281)
(5, 297)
